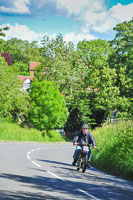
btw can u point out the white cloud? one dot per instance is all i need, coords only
(75, 38)
(71, 6)
(21, 32)
(93, 14)
(20, 6)
(122, 13)
(24, 33)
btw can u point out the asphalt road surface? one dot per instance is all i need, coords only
(44, 171)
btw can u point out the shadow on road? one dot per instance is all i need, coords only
(43, 187)
(96, 174)
(55, 162)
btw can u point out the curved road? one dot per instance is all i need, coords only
(44, 171)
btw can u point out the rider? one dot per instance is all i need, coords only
(83, 136)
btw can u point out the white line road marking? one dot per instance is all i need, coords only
(89, 195)
(56, 176)
(51, 173)
(29, 157)
(36, 164)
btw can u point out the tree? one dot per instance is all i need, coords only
(47, 109)
(61, 65)
(2, 42)
(121, 60)
(3, 29)
(14, 102)
(103, 92)
(22, 52)
(122, 57)
(7, 57)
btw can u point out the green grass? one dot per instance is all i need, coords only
(114, 151)
(13, 132)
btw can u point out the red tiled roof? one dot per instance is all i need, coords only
(33, 65)
(23, 78)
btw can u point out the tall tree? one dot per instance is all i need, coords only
(61, 64)
(122, 57)
(100, 80)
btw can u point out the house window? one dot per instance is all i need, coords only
(27, 84)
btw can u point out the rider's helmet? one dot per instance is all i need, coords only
(85, 126)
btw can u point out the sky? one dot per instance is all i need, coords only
(76, 20)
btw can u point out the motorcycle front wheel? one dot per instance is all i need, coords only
(83, 167)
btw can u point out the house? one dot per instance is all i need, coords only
(32, 67)
(26, 81)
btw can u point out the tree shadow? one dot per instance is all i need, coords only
(52, 188)
(46, 187)
(96, 174)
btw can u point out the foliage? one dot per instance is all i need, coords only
(21, 69)
(2, 45)
(13, 102)
(22, 51)
(13, 132)
(73, 71)
(61, 65)
(100, 79)
(122, 57)
(7, 57)
(3, 29)
(114, 148)
(47, 109)
(53, 135)
(3, 42)
(95, 78)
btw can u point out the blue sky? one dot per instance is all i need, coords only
(76, 20)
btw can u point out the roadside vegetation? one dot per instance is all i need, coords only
(71, 86)
(13, 132)
(114, 153)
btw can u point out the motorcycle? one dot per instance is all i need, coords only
(83, 157)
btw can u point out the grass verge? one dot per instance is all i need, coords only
(13, 132)
(114, 153)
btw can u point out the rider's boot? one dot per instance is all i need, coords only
(74, 162)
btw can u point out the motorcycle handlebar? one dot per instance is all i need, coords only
(80, 144)
(83, 144)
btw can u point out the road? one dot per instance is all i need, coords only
(44, 171)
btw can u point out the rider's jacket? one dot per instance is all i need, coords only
(87, 138)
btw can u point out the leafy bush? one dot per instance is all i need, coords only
(54, 136)
(114, 149)
(7, 57)
(12, 132)
(47, 108)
